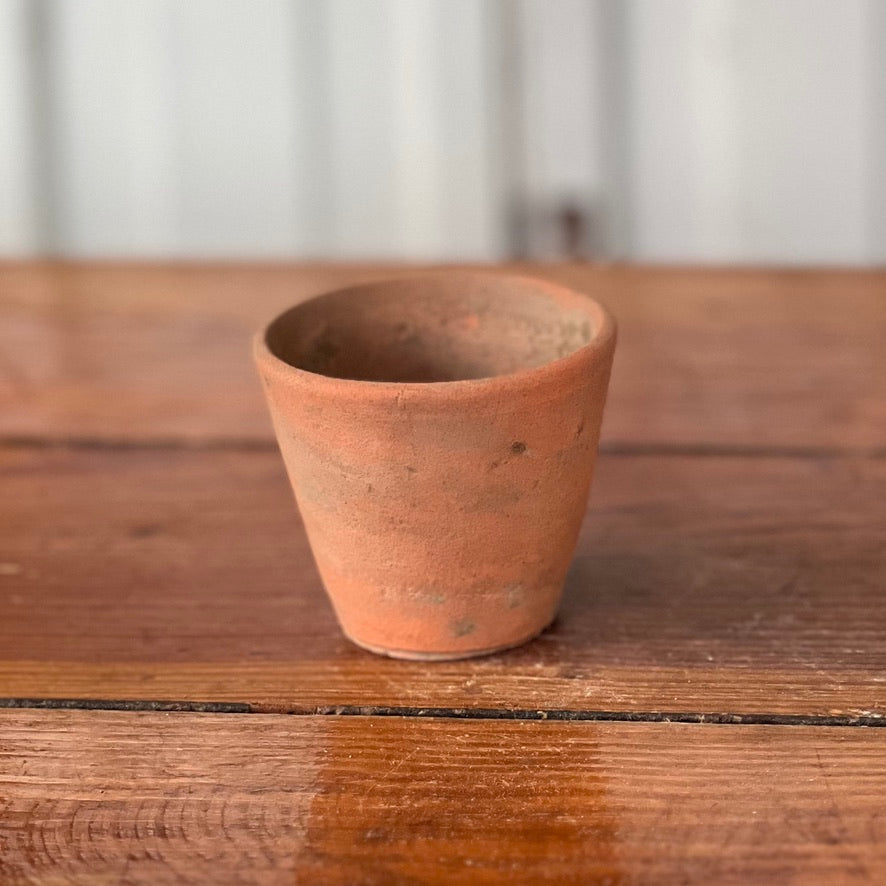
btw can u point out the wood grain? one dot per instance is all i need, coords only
(736, 585)
(707, 358)
(158, 799)
(732, 565)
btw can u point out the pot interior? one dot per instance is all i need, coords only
(435, 329)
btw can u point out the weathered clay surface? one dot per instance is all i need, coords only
(440, 435)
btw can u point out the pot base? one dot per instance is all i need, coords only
(411, 655)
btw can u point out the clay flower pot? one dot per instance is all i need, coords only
(440, 435)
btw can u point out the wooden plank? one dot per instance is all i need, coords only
(719, 358)
(713, 585)
(161, 799)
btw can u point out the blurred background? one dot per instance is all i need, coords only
(727, 131)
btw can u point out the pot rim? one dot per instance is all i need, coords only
(602, 340)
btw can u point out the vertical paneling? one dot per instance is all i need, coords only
(311, 145)
(750, 125)
(467, 123)
(680, 130)
(561, 91)
(19, 193)
(410, 129)
(109, 86)
(236, 118)
(173, 125)
(875, 159)
(361, 99)
(681, 105)
(805, 112)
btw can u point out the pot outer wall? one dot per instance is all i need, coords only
(443, 522)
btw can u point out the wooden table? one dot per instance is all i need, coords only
(179, 707)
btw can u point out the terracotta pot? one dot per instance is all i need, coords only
(440, 435)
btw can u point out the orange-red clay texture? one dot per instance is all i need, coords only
(440, 434)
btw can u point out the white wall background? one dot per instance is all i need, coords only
(677, 130)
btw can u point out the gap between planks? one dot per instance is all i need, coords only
(450, 713)
(615, 447)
